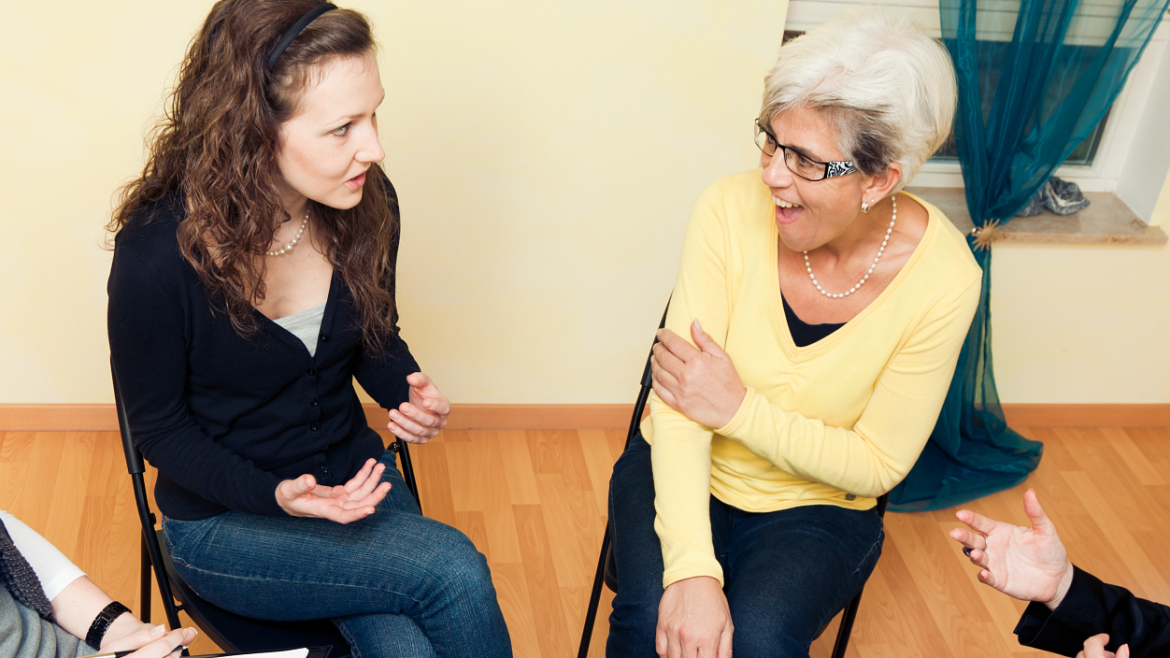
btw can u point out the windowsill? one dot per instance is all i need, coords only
(1107, 220)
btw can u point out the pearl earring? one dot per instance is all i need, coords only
(864, 206)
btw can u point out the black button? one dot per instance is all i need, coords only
(324, 338)
(312, 427)
(325, 470)
(312, 372)
(313, 402)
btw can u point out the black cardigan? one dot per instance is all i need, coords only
(1091, 607)
(226, 418)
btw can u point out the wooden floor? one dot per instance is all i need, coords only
(534, 503)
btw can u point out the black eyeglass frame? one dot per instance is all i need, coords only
(832, 169)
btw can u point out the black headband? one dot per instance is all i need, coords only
(295, 31)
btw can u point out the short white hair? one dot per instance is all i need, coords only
(885, 85)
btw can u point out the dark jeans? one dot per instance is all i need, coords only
(396, 583)
(785, 573)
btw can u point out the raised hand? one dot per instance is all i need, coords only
(1095, 648)
(420, 419)
(1026, 563)
(701, 384)
(346, 503)
(694, 620)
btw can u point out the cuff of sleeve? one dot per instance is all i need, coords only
(671, 577)
(1062, 630)
(60, 581)
(737, 421)
(264, 498)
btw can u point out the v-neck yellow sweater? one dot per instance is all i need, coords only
(838, 422)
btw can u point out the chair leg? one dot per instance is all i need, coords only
(848, 616)
(144, 589)
(399, 446)
(594, 598)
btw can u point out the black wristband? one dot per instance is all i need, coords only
(102, 622)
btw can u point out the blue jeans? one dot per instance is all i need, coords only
(785, 573)
(396, 583)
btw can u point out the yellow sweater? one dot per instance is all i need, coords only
(838, 422)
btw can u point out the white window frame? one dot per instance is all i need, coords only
(1120, 129)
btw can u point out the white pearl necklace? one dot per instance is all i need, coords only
(840, 295)
(288, 246)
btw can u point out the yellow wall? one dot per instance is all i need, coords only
(546, 155)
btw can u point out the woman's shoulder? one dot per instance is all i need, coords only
(948, 255)
(735, 200)
(151, 235)
(742, 187)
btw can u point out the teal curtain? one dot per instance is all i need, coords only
(1035, 77)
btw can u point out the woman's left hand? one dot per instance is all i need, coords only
(420, 419)
(701, 384)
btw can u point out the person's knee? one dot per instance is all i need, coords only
(459, 568)
(635, 606)
(754, 639)
(633, 623)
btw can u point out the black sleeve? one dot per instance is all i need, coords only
(1092, 607)
(384, 376)
(146, 320)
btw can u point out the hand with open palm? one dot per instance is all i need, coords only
(1026, 563)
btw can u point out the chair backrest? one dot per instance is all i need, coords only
(646, 385)
(136, 467)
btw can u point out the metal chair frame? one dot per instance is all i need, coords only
(607, 568)
(232, 632)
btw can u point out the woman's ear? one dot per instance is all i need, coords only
(881, 185)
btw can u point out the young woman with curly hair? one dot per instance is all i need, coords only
(253, 281)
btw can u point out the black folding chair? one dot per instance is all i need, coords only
(232, 632)
(607, 566)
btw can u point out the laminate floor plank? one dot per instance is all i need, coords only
(518, 472)
(540, 574)
(599, 461)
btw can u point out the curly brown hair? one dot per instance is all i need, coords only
(216, 147)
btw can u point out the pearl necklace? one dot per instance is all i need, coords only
(840, 295)
(288, 246)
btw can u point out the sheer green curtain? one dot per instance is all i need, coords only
(1035, 77)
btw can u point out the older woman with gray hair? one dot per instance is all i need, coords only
(815, 324)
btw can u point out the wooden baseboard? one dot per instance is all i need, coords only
(1087, 415)
(526, 416)
(58, 417)
(101, 417)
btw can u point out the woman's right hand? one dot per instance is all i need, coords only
(353, 501)
(694, 620)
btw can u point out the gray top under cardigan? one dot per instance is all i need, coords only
(23, 634)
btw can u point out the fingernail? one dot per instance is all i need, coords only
(158, 630)
(697, 325)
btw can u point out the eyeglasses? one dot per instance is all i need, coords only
(797, 162)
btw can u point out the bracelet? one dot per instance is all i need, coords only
(102, 622)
